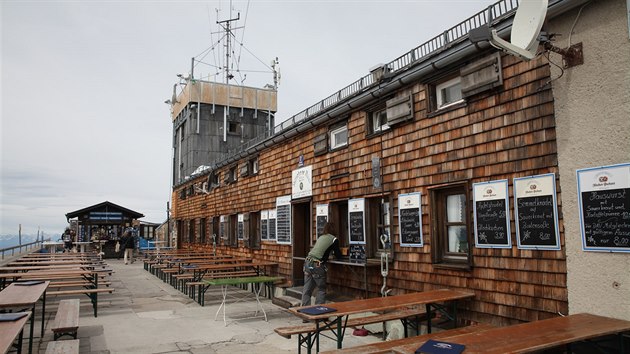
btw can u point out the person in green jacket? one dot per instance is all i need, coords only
(315, 265)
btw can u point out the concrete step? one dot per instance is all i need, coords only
(285, 301)
(295, 292)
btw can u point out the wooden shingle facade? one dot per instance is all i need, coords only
(412, 140)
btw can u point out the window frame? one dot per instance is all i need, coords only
(371, 116)
(440, 256)
(336, 129)
(237, 128)
(440, 85)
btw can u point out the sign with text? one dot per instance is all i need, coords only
(410, 220)
(240, 227)
(283, 220)
(302, 182)
(357, 253)
(356, 221)
(604, 200)
(321, 216)
(264, 225)
(491, 205)
(272, 224)
(535, 212)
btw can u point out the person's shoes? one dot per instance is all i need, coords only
(125, 263)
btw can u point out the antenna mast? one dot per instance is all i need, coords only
(228, 76)
(228, 44)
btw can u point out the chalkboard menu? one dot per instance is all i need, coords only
(283, 220)
(410, 220)
(492, 214)
(272, 224)
(604, 198)
(356, 221)
(357, 253)
(264, 222)
(240, 226)
(536, 212)
(321, 216)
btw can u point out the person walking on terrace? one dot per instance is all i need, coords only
(315, 265)
(128, 244)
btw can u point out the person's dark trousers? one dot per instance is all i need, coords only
(314, 279)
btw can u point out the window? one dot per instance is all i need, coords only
(377, 121)
(234, 128)
(450, 236)
(254, 167)
(252, 230)
(448, 93)
(377, 225)
(191, 231)
(231, 230)
(202, 230)
(213, 179)
(338, 136)
(231, 175)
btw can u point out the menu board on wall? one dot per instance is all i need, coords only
(240, 226)
(264, 225)
(272, 224)
(536, 214)
(491, 204)
(604, 200)
(410, 220)
(321, 215)
(356, 221)
(357, 253)
(283, 220)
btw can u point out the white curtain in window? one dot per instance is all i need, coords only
(455, 212)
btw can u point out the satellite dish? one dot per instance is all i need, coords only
(528, 21)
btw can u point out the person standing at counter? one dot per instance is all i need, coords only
(315, 269)
(128, 244)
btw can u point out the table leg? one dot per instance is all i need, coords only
(257, 293)
(339, 334)
(316, 337)
(43, 312)
(429, 315)
(223, 305)
(20, 341)
(30, 340)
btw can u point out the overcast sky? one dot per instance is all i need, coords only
(83, 85)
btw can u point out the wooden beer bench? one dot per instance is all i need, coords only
(337, 321)
(386, 347)
(66, 319)
(404, 315)
(537, 336)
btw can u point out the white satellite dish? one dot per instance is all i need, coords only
(526, 27)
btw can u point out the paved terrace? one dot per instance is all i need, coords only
(146, 315)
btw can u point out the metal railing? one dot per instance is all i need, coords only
(20, 248)
(458, 33)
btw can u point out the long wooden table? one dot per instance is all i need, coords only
(23, 297)
(9, 331)
(432, 300)
(535, 336)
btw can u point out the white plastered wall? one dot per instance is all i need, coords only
(592, 103)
